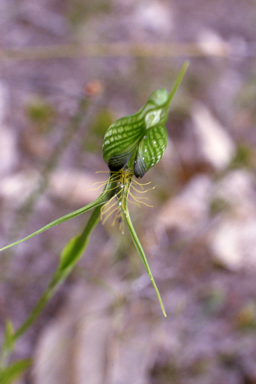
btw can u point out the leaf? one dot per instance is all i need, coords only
(8, 342)
(11, 373)
(102, 199)
(127, 219)
(76, 246)
(69, 257)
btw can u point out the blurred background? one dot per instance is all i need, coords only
(68, 70)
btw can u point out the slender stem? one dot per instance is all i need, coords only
(116, 50)
(62, 272)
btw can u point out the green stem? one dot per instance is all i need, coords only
(75, 248)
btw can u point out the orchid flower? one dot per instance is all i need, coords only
(131, 146)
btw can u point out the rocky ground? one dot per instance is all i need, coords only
(105, 325)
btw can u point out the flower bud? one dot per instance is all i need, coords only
(138, 140)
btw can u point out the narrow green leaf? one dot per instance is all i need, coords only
(102, 199)
(126, 216)
(11, 373)
(76, 246)
(8, 336)
(178, 80)
(8, 343)
(70, 256)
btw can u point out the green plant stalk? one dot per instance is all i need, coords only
(128, 222)
(70, 256)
